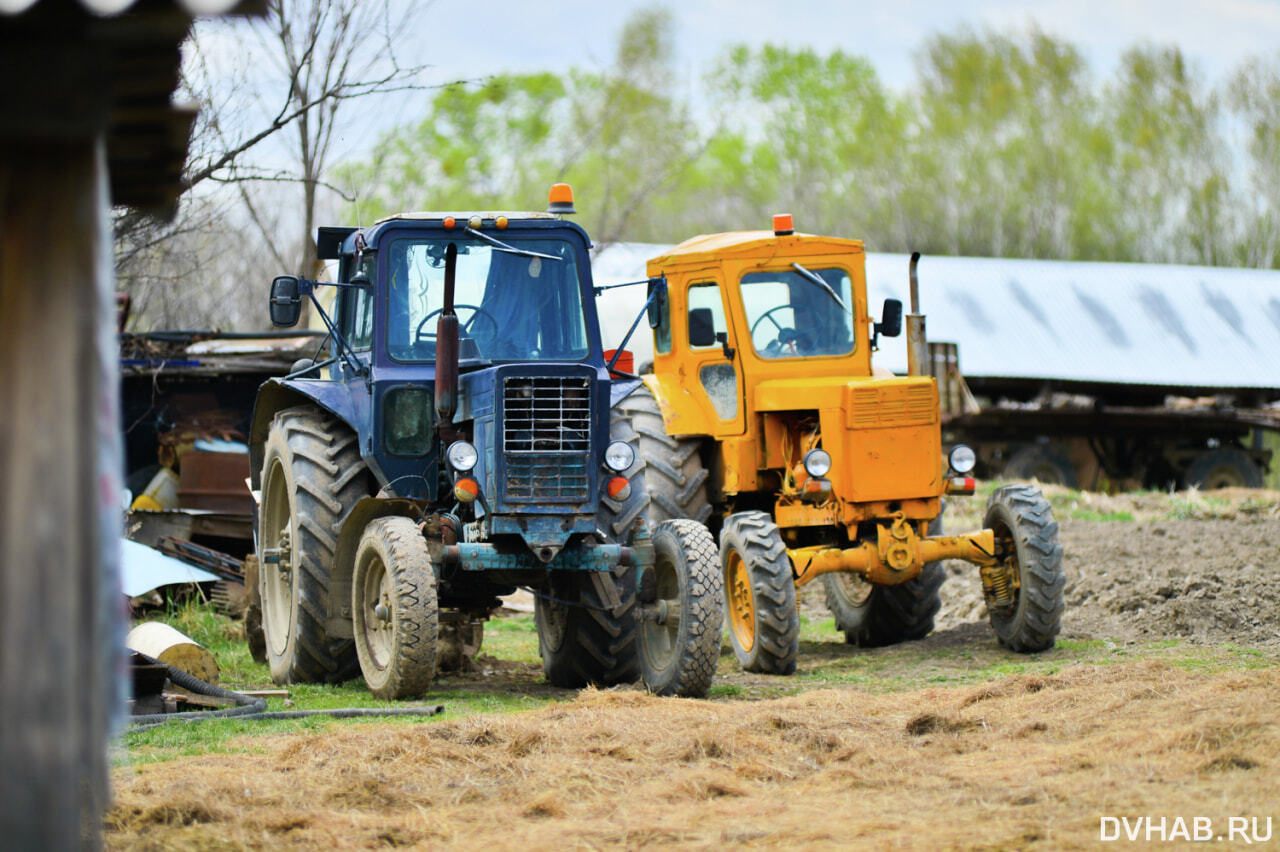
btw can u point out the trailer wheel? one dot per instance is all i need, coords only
(873, 616)
(586, 624)
(312, 476)
(674, 475)
(394, 610)
(1044, 463)
(1227, 467)
(1027, 539)
(681, 613)
(760, 594)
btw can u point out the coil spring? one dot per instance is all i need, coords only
(997, 583)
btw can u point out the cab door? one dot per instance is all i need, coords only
(711, 368)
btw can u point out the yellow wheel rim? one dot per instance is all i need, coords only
(742, 605)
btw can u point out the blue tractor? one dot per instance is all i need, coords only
(460, 440)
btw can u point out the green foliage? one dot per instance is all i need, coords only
(1007, 145)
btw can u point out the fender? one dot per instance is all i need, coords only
(338, 622)
(337, 398)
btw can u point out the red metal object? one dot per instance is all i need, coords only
(215, 481)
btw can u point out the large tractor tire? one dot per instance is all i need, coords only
(681, 611)
(1045, 463)
(586, 624)
(312, 476)
(760, 594)
(674, 475)
(874, 616)
(1226, 467)
(1027, 540)
(394, 610)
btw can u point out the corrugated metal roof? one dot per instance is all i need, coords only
(105, 65)
(114, 7)
(1129, 323)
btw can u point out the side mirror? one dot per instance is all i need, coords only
(890, 324)
(286, 301)
(658, 304)
(702, 327)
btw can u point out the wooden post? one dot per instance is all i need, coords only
(61, 610)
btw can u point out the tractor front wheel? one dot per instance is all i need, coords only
(1028, 614)
(680, 611)
(760, 594)
(394, 609)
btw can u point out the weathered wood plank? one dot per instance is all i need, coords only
(60, 607)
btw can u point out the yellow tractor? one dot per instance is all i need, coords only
(765, 418)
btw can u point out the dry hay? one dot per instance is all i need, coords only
(1024, 761)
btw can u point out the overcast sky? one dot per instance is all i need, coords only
(506, 35)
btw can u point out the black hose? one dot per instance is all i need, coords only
(250, 707)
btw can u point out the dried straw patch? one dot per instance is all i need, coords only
(1017, 762)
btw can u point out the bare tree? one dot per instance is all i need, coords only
(253, 190)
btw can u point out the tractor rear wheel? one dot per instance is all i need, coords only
(586, 624)
(874, 616)
(312, 476)
(1045, 463)
(680, 611)
(1226, 467)
(760, 594)
(394, 610)
(1027, 540)
(674, 475)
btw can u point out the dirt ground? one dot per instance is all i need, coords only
(1019, 761)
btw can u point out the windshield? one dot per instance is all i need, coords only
(792, 316)
(510, 306)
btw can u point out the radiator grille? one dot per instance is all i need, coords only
(546, 437)
(880, 407)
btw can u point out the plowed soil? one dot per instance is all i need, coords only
(865, 754)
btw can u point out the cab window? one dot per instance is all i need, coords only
(706, 316)
(791, 314)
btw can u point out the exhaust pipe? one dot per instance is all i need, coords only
(917, 345)
(447, 344)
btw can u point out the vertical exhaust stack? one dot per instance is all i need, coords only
(917, 344)
(447, 344)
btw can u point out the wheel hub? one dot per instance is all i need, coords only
(742, 610)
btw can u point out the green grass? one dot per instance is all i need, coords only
(511, 639)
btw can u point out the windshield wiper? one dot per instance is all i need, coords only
(816, 279)
(501, 246)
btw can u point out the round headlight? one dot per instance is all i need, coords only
(817, 462)
(462, 456)
(619, 456)
(962, 459)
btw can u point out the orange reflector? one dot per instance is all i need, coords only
(501, 222)
(466, 490)
(618, 488)
(560, 199)
(449, 223)
(782, 225)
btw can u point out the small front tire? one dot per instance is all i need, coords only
(1027, 540)
(760, 594)
(394, 608)
(681, 613)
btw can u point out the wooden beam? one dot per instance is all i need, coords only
(61, 631)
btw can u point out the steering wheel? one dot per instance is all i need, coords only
(476, 312)
(786, 336)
